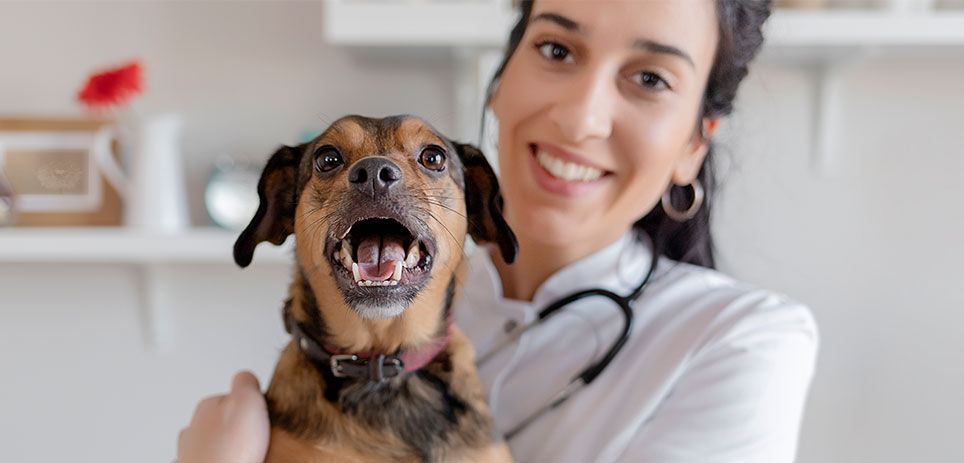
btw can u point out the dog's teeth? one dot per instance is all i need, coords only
(346, 247)
(337, 255)
(377, 283)
(398, 271)
(411, 259)
(346, 259)
(355, 273)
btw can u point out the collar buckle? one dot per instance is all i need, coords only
(335, 363)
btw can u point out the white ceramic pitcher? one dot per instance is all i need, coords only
(153, 187)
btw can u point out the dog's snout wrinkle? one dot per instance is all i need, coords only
(374, 176)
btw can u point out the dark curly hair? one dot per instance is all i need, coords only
(740, 38)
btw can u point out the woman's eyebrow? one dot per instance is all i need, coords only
(563, 21)
(656, 47)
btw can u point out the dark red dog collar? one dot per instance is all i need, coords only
(371, 366)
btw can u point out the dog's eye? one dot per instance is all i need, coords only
(327, 158)
(433, 158)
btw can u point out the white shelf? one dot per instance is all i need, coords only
(480, 23)
(487, 25)
(842, 36)
(120, 245)
(865, 28)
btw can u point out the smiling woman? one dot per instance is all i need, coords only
(606, 112)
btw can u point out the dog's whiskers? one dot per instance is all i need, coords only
(446, 207)
(444, 227)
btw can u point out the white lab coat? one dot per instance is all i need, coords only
(714, 370)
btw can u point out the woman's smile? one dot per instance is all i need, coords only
(564, 173)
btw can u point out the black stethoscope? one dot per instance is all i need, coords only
(592, 371)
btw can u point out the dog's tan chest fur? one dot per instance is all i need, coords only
(286, 449)
(296, 398)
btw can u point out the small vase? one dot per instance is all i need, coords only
(152, 185)
(158, 201)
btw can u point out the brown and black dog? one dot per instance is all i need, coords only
(375, 371)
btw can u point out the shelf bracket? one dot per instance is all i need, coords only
(827, 119)
(826, 115)
(156, 321)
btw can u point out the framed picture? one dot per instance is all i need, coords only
(50, 166)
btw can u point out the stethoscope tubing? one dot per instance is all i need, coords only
(590, 373)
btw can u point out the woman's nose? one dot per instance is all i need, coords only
(584, 109)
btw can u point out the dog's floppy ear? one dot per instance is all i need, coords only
(483, 202)
(275, 218)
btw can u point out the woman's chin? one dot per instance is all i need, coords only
(549, 227)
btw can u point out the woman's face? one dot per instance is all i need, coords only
(598, 112)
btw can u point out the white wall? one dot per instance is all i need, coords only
(79, 383)
(871, 244)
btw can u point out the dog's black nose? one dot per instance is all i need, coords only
(374, 175)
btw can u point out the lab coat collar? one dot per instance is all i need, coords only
(618, 267)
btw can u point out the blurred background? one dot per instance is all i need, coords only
(840, 171)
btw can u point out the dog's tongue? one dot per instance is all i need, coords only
(377, 255)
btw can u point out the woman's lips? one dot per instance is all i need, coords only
(558, 186)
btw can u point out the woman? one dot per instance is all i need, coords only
(605, 111)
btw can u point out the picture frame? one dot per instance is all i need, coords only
(51, 168)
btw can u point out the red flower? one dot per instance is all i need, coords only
(113, 88)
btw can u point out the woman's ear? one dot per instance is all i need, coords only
(689, 163)
(274, 220)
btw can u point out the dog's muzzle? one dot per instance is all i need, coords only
(381, 254)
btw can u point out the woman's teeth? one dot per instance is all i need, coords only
(566, 170)
(343, 254)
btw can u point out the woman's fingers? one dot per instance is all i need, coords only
(245, 380)
(230, 427)
(206, 407)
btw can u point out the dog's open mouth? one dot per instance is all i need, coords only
(381, 252)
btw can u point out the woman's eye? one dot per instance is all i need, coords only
(433, 158)
(650, 80)
(555, 52)
(328, 159)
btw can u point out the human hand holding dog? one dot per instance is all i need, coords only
(228, 428)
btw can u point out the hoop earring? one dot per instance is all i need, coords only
(682, 216)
